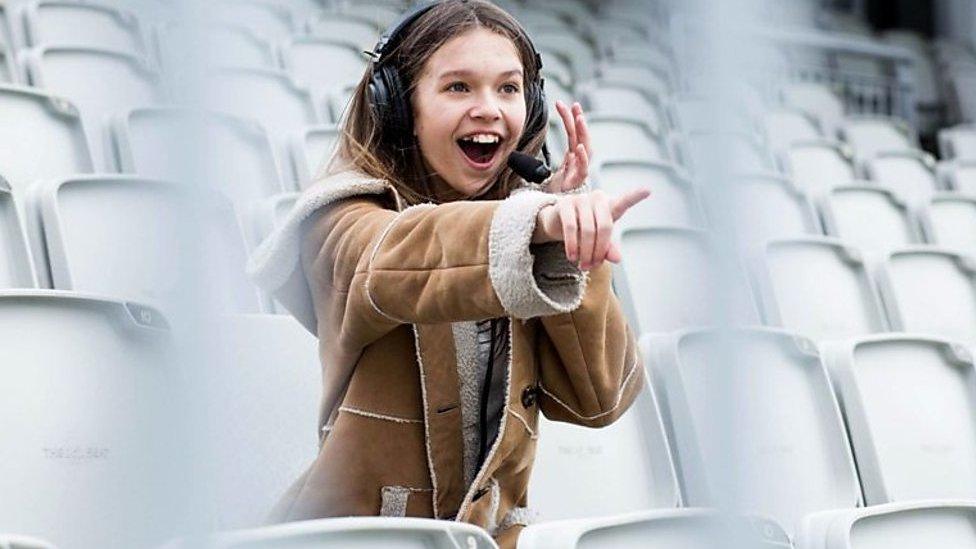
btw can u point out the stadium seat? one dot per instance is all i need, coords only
(892, 526)
(818, 166)
(869, 217)
(270, 97)
(321, 64)
(930, 290)
(624, 100)
(211, 45)
(756, 425)
(958, 175)
(7, 68)
(350, 532)
(381, 15)
(725, 152)
(96, 25)
(146, 240)
(871, 134)
(358, 31)
(16, 268)
(555, 66)
(622, 138)
(100, 82)
(41, 136)
(217, 151)
(817, 100)
(262, 383)
(768, 206)
(312, 151)
(23, 542)
(690, 113)
(671, 278)
(818, 287)
(660, 529)
(784, 127)
(634, 447)
(958, 142)
(269, 20)
(885, 383)
(676, 199)
(949, 220)
(573, 48)
(653, 80)
(95, 454)
(911, 174)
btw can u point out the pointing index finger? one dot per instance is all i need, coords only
(627, 200)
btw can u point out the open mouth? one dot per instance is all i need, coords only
(480, 149)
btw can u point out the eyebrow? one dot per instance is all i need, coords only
(462, 72)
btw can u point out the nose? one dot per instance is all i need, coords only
(486, 107)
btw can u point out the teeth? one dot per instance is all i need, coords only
(481, 138)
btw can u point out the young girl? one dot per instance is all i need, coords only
(453, 302)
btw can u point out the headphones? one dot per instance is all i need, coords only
(388, 92)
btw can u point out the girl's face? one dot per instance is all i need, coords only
(469, 109)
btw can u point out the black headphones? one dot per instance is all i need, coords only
(388, 92)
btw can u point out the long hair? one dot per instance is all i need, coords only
(362, 146)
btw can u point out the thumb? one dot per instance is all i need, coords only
(614, 255)
(623, 203)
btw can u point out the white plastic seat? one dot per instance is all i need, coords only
(313, 150)
(818, 287)
(263, 383)
(41, 136)
(98, 25)
(869, 135)
(769, 206)
(381, 15)
(676, 199)
(783, 127)
(269, 20)
(557, 91)
(652, 79)
(893, 526)
(624, 100)
(16, 268)
(958, 142)
(358, 31)
(817, 100)
(351, 533)
(818, 166)
(147, 240)
(634, 447)
(620, 138)
(958, 175)
(660, 529)
(574, 49)
(216, 150)
(113, 444)
(911, 174)
(212, 45)
(725, 152)
(756, 425)
(23, 542)
(268, 96)
(8, 71)
(869, 217)
(556, 67)
(322, 64)
(671, 278)
(100, 82)
(949, 220)
(904, 454)
(930, 290)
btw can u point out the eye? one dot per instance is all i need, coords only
(510, 88)
(457, 87)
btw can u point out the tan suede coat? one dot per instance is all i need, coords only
(385, 288)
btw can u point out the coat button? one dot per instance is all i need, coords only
(528, 396)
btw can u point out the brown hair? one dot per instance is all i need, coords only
(361, 146)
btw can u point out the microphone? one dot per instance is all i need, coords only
(528, 167)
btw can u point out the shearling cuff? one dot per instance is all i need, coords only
(530, 285)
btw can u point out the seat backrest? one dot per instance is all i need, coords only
(268, 20)
(676, 199)
(885, 383)
(313, 151)
(869, 135)
(785, 126)
(893, 526)
(930, 290)
(322, 64)
(911, 174)
(768, 206)
(818, 100)
(869, 217)
(16, 269)
(211, 45)
(756, 425)
(949, 220)
(620, 138)
(624, 100)
(818, 287)
(216, 150)
(818, 166)
(958, 142)
(357, 30)
(66, 23)
(118, 423)
(147, 240)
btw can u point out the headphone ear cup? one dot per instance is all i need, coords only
(538, 114)
(379, 97)
(400, 115)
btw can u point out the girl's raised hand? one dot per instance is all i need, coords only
(576, 160)
(584, 222)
